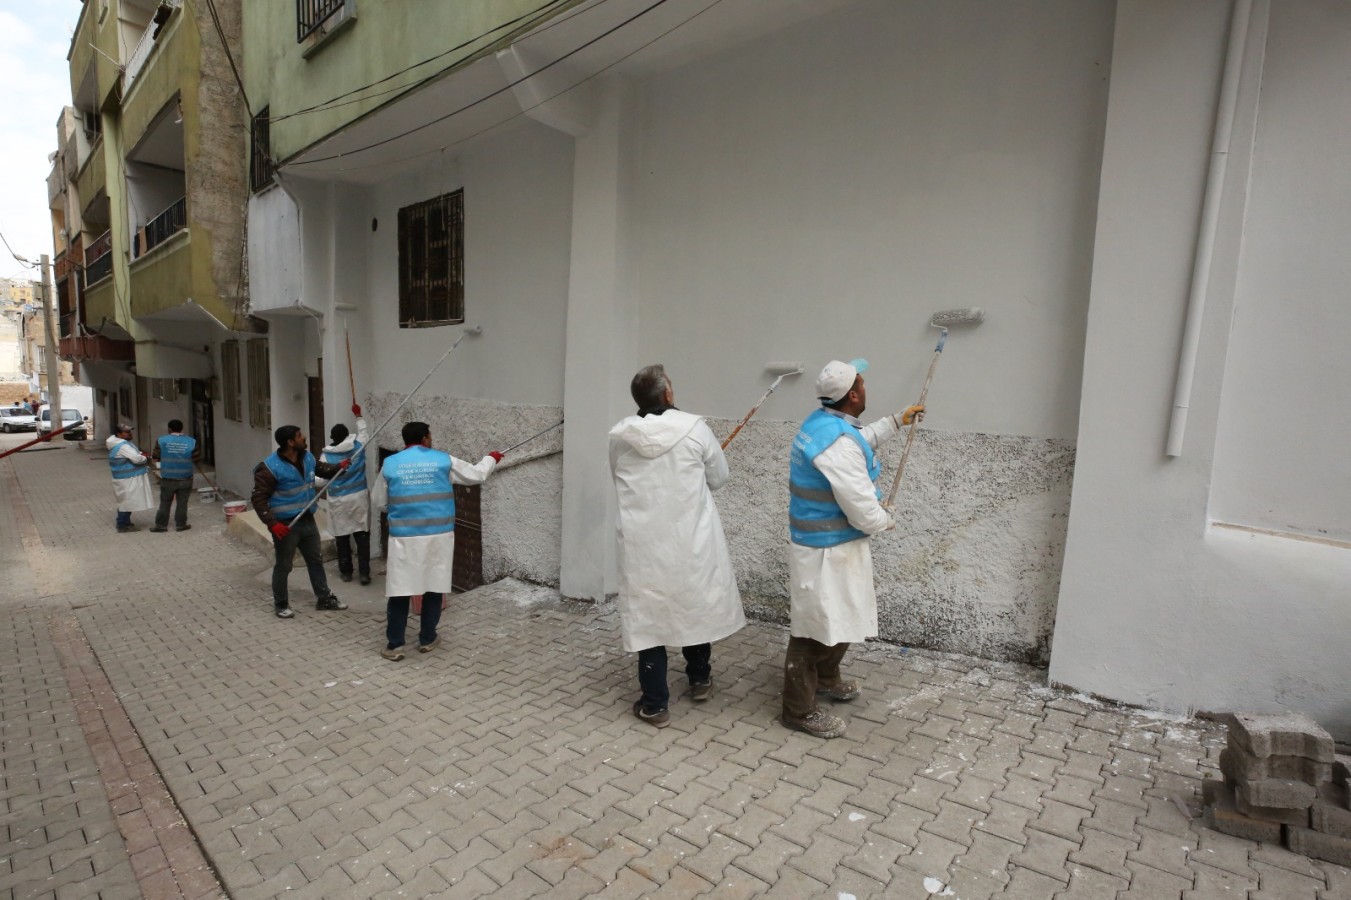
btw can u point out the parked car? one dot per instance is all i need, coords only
(77, 427)
(17, 418)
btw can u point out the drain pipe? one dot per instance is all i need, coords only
(1210, 216)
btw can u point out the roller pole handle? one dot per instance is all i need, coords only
(754, 409)
(914, 423)
(351, 378)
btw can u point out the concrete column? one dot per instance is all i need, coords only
(600, 347)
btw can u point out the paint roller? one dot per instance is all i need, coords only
(475, 330)
(782, 370)
(942, 321)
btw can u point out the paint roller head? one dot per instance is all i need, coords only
(783, 368)
(973, 315)
(474, 329)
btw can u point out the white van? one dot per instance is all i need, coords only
(77, 427)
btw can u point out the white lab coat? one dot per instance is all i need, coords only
(831, 588)
(676, 583)
(352, 512)
(416, 565)
(133, 494)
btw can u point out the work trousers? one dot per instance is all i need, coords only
(123, 519)
(652, 673)
(396, 619)
(171, 489)
(363, 541)
(305, 537)
(807, 664)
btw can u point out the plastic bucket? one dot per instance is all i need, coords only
(234, 508)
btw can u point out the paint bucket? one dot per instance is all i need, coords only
(234, 508)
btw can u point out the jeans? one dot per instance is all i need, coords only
(652, 673)
(807, 664)
(363, 539)
(123, 519)
(305, 536)
(171, 489)
(396, 619)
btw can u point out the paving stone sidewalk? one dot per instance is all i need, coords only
(507, 763)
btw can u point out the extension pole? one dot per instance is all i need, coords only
(914, 423)
(351, 378)
(376, 433)
(531, 438)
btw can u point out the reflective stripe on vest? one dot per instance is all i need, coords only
(421, 495)
(293, 490)
(121, 466)
(814, 517)
(353, 481)
(175, 456)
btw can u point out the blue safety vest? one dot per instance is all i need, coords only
(175, 456)
(421, 495)
(814, 517)
(354, 479)
(121, 466)
(293, 490)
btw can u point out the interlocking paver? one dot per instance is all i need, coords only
(511, 766)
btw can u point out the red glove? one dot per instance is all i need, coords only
(356, 410)
(344, 464)
(279, 531)
(497, 455)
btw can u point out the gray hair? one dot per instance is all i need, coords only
(649, 386)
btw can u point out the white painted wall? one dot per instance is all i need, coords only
(274, 250)
(1157, 607)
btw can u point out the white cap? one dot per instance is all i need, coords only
(837, 378)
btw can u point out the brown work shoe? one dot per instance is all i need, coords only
(817, 724)
(701, 692)
(393, 654)
(841, 691)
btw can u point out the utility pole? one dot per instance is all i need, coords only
(53, 362)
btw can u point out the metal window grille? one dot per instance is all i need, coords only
(260, 388)
(431, 262)
(98, 259)
(312, 14)
(260, 157)
(230, 382)
(164, 389)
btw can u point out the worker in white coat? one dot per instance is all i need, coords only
(131, 477)
(347, 500)
(676, 583)
(417, 486)
(834, 508)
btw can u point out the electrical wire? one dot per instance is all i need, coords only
(21, 260)
(333, 102)
(516, 115)
(509, 86)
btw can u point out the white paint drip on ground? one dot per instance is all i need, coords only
(857, 817)
(934, 886)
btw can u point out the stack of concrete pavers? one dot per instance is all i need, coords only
(1282, 782)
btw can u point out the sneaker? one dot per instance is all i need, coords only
(659, 719)
(817, 724)
(157, 529)
(841, 691)
(701, 692)
(366, 578)
(182, 527)
(345, 576)
(329, 603)
(428, 648)
(393, 654)
(284, 612)
(123, 529)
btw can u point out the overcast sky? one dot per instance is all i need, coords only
(34, 40)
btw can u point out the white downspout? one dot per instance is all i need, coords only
(1210, 215)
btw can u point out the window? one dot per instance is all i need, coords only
(431, 262)
(164, 389)
(260, 159)
(229, 366)
(260, 386)
(311, 15)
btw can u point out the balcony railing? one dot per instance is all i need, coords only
(98, 259)
(147, 42)
(162, 227)
(312, 14)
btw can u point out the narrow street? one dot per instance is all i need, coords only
(162, 734)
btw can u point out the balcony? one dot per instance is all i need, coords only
(98, 259)
(166, 278)
(313, 15)
(97, 348)
(162, 227)
(99, 304)
(146, 45)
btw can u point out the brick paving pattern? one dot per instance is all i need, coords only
(507, 763)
